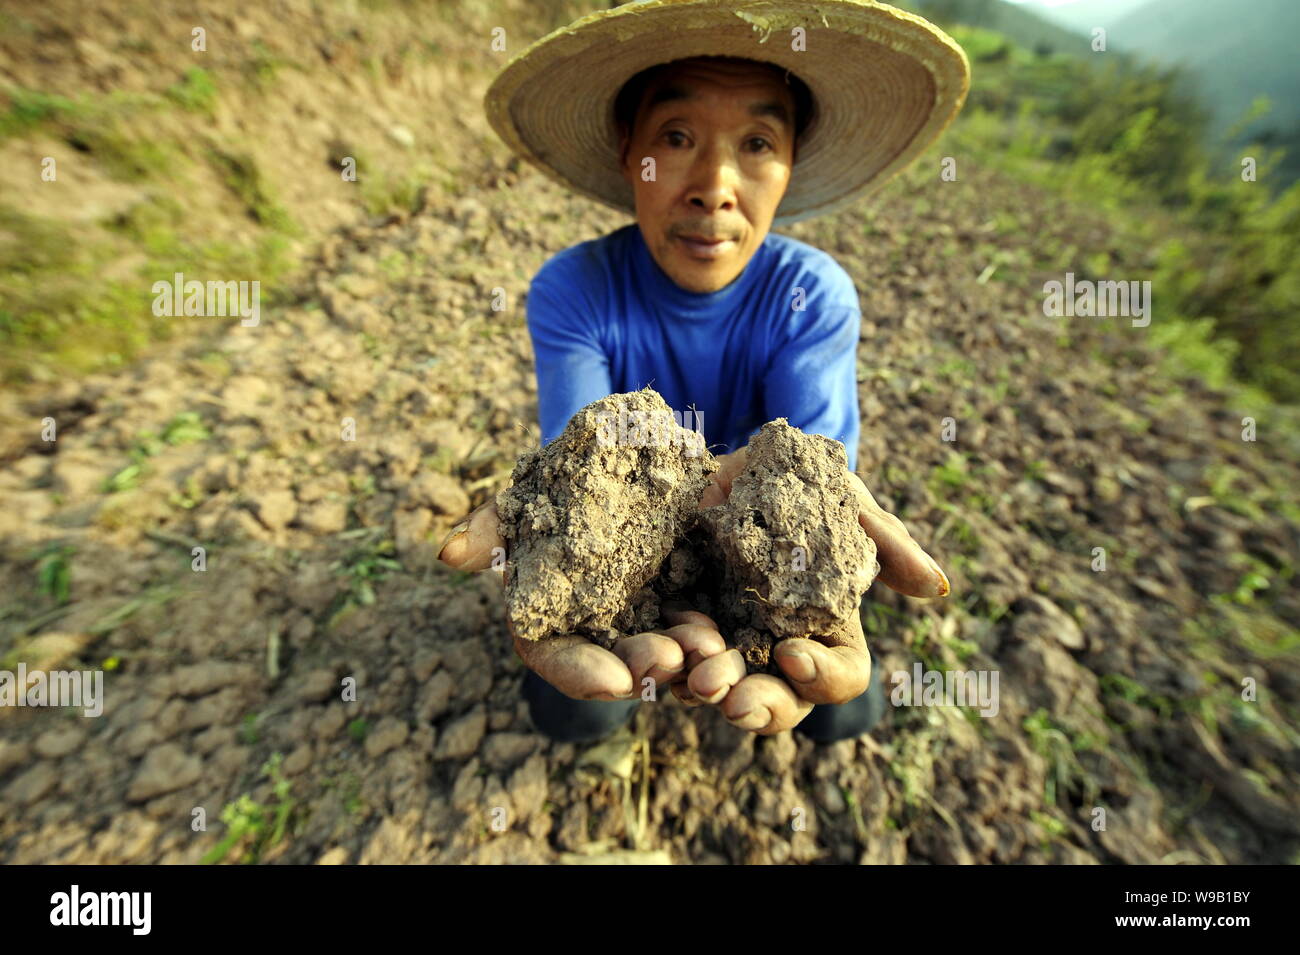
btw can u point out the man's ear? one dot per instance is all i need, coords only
(624, 142)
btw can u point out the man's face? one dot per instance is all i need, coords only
(722, 138)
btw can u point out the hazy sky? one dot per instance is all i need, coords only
(1079, 5)
(1079, 14)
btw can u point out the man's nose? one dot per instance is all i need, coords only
(713, 181)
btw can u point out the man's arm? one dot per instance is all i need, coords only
(812, 380)
(572, 368)
(573, 371)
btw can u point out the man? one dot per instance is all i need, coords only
(701, 301)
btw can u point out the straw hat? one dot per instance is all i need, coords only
(885, 82)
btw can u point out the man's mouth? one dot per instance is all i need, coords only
(705, 247)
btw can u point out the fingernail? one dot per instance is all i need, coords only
(752, 721)
(800, 666)
(944, 586)
(455, 532)
(713, 697)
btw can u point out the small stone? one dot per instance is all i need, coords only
(275, 509)
(204, 678)
(137, 741)
(829, 796)
(411, 529)
(467, 791)
(324, 517)
(57, 743)
(244, 395)
(424, 665)
(778, 753)
(1037, 618)
(504, 750)
(33, 785)
(297, 761)
(402, 136)
(527, 786)
(12, 753)
(212, 739)
(330, 722)
(316, 686)
(435, 697)
(166, 769)
(230, 761)
(77, 478)
(218, 709)
(461, 738)
(31, 468)
(389, 734)
(440, 493)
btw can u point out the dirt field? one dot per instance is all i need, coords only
(319, 457)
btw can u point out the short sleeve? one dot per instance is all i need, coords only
(812, 379)
(572, 367)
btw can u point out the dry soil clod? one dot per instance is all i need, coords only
(795, 558)
(590, 518)
(604, 524)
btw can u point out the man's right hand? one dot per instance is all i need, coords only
(570, 662)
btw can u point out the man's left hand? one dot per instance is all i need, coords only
(828, 668)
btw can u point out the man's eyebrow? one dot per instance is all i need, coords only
(667, 94)
(771, 108)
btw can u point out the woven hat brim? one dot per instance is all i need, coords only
(886, 83)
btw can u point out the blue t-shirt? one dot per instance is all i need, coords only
(606, 319)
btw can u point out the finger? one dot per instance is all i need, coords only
(683, 693)
(470, 544)
(713, 678)
(698, 642)
(765, 705)
(821, 674)
(729, 466)
(677, 612)
(577, 667)
(651, 655)
(904, 566)
(712, 497)
(833, 667)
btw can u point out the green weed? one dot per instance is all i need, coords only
(365, 565)
(53, 573)
(29, 108)
(249, 734)
(1064, 772)
(182, 429)
(196, 91)
(253, 827)
(244, 178)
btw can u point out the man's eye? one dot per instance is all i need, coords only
(675, 138)
(758, 144)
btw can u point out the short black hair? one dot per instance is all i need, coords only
(629, 97)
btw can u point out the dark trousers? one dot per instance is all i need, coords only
(567, 720)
